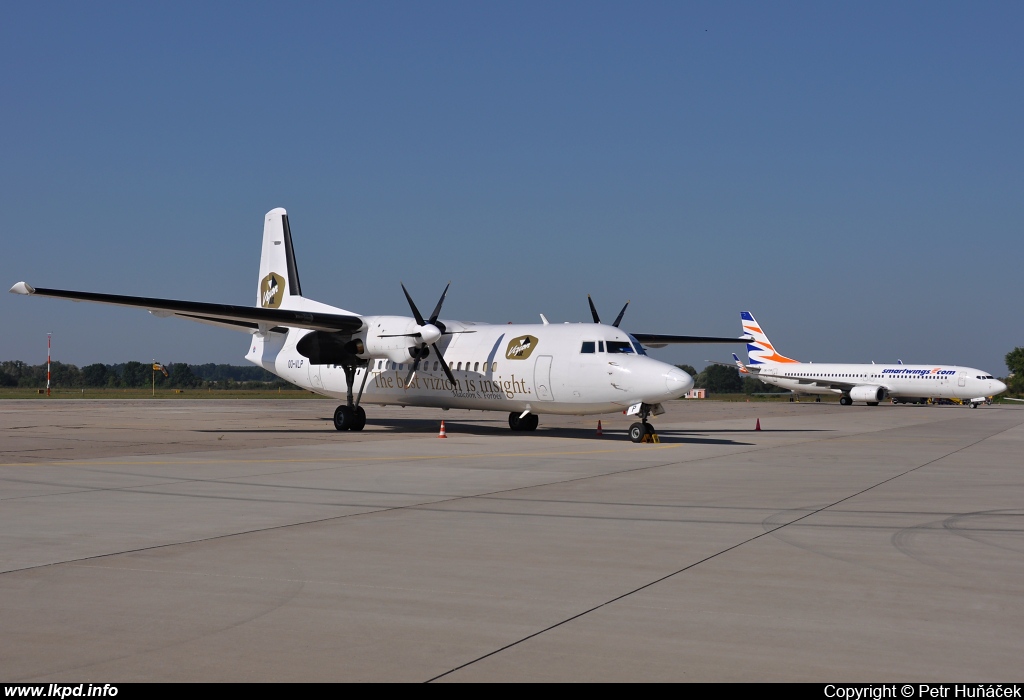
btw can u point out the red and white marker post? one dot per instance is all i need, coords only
(48, 364)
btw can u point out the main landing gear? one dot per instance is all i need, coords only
(845, 400)
(351, 416)
(643, 431)
(521, 423)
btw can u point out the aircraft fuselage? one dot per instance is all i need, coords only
(578, 368)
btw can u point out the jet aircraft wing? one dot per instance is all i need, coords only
(823, 383)
(237, 317)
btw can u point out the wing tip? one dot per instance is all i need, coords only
(23, 288)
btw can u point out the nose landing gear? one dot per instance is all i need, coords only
(643, 431)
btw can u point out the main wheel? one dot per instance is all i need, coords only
(515, 422)
(637, 432)
(845, 401)
(359, 420)
(529, 423)
(344, 418)
(648, 429)
(817, 399)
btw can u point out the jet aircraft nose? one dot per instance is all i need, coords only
(678, 382)
(997, 387)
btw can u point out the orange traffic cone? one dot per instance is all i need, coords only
(756, 427)
(441, 434)
(599, 433)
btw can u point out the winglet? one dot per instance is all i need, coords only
(23, 288)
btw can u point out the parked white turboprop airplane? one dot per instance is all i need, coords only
(526, 370)
(863, 382)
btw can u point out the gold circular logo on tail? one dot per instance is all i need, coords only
(271, 291)
(520, 347)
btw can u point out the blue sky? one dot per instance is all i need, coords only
(851, 174)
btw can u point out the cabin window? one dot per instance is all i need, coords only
(451, 365)
(494, 367)
(459, 368)
(435, 366)
(476, 366)
(588, 346)
(618, 346)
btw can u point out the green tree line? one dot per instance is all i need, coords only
(180, 375)
(719, 379)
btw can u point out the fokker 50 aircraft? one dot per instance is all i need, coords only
(863, 382)
(526, 370)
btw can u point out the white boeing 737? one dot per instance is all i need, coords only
(525, 370)
(870, 383)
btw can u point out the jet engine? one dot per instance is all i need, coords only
(871, 394)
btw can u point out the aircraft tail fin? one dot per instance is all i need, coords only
(739, 364)
(760, 350)
(279, 276)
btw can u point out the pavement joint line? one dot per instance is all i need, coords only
(713, 556)
(237, 480)
(322, 459)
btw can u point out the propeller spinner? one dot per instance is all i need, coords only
(428, 331)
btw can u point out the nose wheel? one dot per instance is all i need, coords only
(643, 431)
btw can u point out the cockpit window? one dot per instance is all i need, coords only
(588, 346)
(637, 346)
(618, 346)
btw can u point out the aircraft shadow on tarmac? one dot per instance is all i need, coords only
(470, 426)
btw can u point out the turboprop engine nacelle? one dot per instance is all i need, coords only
(868, 393)
(393, 337)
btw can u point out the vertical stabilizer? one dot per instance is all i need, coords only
(760, 350)
(279, 276)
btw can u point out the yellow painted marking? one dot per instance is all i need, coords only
(321, 460)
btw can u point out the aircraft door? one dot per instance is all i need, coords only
(962, 379)
(314, 376)
(542, 378)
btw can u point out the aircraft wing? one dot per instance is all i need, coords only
(822, 383)
(234, 317)
(657, 340)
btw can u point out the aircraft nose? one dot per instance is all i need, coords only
(998, 387)
(678, 382)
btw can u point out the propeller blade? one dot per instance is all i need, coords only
(593, 310)
(437, 309)
(618, 319)
(412, 305)
(415, 366)
(453, 332)
(444, 366)
(417, 334)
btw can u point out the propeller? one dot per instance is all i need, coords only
(429, 332)
(597, 319)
